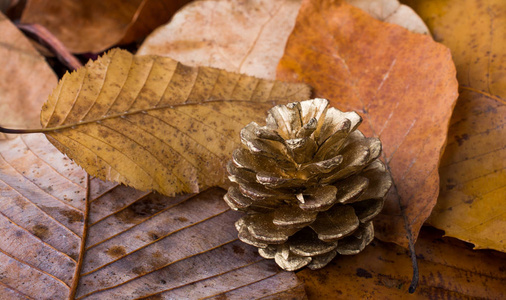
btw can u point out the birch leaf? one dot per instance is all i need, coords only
(154, 124)
(65, 237)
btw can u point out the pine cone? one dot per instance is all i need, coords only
(310, 184)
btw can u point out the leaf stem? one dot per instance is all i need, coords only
(23, 131)
(77, 273)
(414, 262)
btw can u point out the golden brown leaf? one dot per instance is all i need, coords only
(403, 85)
(25, 78)
(471, 205)
(155, 124)
(449, 269)
(238, 36)
(138, 244)
(93, 26)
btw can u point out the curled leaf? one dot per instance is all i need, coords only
(93, 26)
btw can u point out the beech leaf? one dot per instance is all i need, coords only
(63, 236)
(25, 79)
(154, 124)
(471, 205)
(372, 67)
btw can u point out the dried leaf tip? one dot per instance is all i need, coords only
(310, 183)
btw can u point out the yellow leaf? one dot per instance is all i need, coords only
(155, 124)
(471, 205)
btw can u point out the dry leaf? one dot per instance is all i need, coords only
(25, 79)
(391, 11)
(155, 124)
(403, 85)
(449, 269)
(138, 244)
(93, 26)
(253, 45)
(471, 205)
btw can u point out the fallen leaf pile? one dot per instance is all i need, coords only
(147, 129)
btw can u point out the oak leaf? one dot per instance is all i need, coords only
(25, 79)
(63, 235)
(449, 269)
(93, 26)
(154, 124)
(374, 68)
(471, 204)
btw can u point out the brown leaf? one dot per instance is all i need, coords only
(93, 26)
(138, 244)
(449, 269)
(473, 169)
(25, 79)
(403, 85)
(252, 45)
(155, 124)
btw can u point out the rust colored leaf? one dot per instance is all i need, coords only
(154, 124)
(471, 205)
(93, 26)
(403, 85)
(62, 236)
(25, 79)
(449, 269)
(238, 36)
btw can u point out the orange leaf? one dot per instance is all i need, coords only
(93, 26)
(403, 85)
(471, 205)
(25, 78)
(62, 235)
(449, 269)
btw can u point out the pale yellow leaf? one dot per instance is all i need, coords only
(238, 36)
(391, 11)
